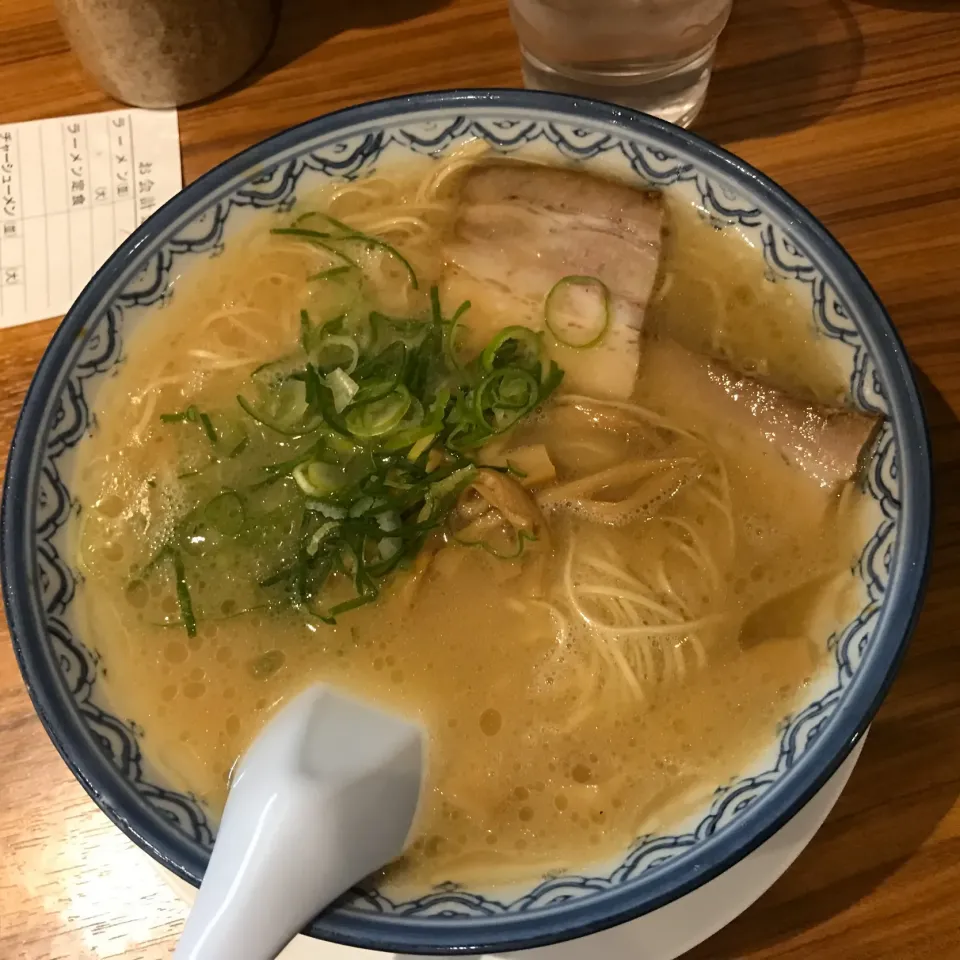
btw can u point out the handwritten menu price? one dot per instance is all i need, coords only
(71, 190)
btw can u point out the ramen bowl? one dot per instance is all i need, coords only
(65, 673)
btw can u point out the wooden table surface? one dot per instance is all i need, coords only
(855, 108)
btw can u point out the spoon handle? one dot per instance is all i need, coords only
(325, 796)
(255, 897)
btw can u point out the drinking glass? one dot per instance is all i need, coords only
(652, 55)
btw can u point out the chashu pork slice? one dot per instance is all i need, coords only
(825, 442)
(521, 227)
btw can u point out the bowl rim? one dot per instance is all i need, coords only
(104, 783)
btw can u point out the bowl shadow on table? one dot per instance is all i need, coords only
(885, 813)
(304, 25)
(781, 65)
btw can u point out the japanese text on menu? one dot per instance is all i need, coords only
(71, 190)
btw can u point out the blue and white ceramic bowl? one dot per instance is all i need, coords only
(63, 670)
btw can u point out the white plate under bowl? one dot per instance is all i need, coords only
(664, 934)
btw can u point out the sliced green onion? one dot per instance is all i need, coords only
(421, 446)
(450, 335)
(388, 521)
(350, 234)
(453, 482)
(339, 224)
(306, 215)
(190, 415)
(208, 428)
(436, 313)
(418, 428)
(306, 329)
(504, 397)
(295, 429)
(318, 239)
(343, 387)
(321, 534)
(330, 510)
(521, 345)
(329, 352)
(375, 394)
(389, 547)
(331, 273)
(380, 374)
(285, 467)
(183, 595)
(276, 371)
(348, 605)
(361, 506)
(317, 479)
(523, 537)
(239, 448)
(577, 311)
(388, 249)
(379, 417)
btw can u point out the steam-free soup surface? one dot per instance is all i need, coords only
(584, 681)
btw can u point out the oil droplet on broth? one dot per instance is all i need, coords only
(490, 722)
(176, 652)
(111, 506)
(434, 846)
(137, 594)
(267, 664)
(581, 773)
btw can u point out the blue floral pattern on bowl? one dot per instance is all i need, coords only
(62, 668)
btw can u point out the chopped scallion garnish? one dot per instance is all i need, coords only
(344, 454)
(577, 311)
(183, 595)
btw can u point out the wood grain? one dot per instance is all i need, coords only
(855, 108)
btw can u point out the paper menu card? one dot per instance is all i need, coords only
(71, 190)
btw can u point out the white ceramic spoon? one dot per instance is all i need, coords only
(325, 796)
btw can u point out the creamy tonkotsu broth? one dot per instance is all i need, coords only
(597, 594)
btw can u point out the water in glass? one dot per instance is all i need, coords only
(653, 55)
